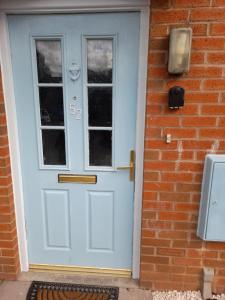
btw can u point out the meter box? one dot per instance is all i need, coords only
(211, 221)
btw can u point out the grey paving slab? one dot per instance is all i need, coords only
(14, 290)
(78, 279)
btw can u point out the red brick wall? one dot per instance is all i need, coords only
(9, 261)
(172, 255)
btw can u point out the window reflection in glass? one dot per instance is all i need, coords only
(99, 60)
(53, 147)
(100, 148)
(49, 61)
(51, 106)
(100, 106)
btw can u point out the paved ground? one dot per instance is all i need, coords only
(16, 290)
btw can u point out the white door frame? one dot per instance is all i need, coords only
(72, 6)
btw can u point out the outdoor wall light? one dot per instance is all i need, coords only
(179, 50)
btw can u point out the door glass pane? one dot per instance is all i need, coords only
(99, 60)
(51, 106)
(100, 148)
(100, 106)
(49, 61)
(53, 147)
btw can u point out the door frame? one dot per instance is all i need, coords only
(71, 6)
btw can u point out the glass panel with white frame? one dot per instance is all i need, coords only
(100, 101)
(51, 104)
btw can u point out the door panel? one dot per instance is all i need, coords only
(75, 80)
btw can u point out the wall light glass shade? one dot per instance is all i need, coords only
(179, 50)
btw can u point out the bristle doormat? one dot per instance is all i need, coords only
(63, 291)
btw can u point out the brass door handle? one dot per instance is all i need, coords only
(131, 167)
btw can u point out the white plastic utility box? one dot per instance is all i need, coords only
(211, 221)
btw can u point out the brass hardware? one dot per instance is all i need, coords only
(131, 167)
(72, 178)
(88, 270)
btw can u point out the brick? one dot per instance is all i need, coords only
(159, 97)
(155, 224)
(171, 269)
(190, 166)
(174, 196)
(152, 133)
(201, 97)
(214, 84)
(157, 58)
(170, 155)
(222, 122)
(151, 155)
(216, 57)
(209, 43)
(184, 225)
(194, 270)
(208, 14)
(175, 216)
(8, 252)
(147, 251)
(156, 276)
(163, 121)
(159, 165)
(147, 267)
(210, 254)
(212, 133)
(150, 195)
(199, 121)
(158, 186)
(160, 4)
(217, 29)
(160, 145)
(186, 207)
(197, 144)
(148, 215)
(189, 84)
(155, 242)
(155, 259)
(158, 31)
(159, 44)
(186, 261)
(202, 72)
(213, 263)
(213, 109)
(148, 233)
(151, 176)
(190, 3)
(180, 132)
(162, 16)
(177, 177)
(153, 205)
(175, 155)
(172, 234)
(197, 57)
(159, 72)
(219, 3)
(199, 29)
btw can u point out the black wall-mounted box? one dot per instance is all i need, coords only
(176, 97)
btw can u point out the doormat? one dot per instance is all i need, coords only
(54, 291)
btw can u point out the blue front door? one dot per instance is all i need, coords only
(75, 80)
